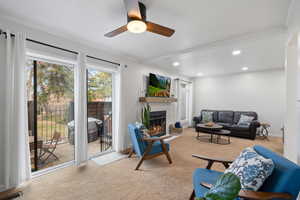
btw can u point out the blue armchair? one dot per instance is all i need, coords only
(147, 147)
(284, 182)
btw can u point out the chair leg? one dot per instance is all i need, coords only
(51, 153)
(192, 197)
(130, 153)
(164, 148)
(148, 149)
(169, 157)
(140, 163)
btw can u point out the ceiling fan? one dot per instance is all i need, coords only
(137, 23)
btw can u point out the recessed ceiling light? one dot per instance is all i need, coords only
(245, 68)
(236, 52)
(176, 64)
(200, 74)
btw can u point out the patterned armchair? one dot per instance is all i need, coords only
(283, 183)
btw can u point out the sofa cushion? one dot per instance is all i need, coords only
(225, 125)
(207, 116)
(237, 115)
(241, 128)
(225, 116)
(245, 120)
(204, 175)
(252, 169)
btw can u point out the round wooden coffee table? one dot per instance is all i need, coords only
(215, 130)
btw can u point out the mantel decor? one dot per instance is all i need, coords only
(157, 99)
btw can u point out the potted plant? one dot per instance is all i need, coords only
(227, 187)
(146, 116)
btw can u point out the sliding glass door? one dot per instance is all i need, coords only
(99, 110)
(50, 90)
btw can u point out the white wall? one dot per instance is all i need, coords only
(133, 83)
(292, 146)
(262, 92)
(293, 20)
(291, 118)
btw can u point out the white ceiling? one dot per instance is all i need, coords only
(197, 23)
(259, 51)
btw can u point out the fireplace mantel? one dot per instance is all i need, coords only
(157, 99)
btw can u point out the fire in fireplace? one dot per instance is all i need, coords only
(158, 123)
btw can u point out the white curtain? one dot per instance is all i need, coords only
(81, 150)
(121, 134)
(17, 154)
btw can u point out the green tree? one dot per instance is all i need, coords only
(54, 82)
(99, 85)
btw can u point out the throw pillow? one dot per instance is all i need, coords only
(245, 120)
(252, 169)
(207, 116)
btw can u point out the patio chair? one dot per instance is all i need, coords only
(147, 147)
(39, 149)
(51, 147)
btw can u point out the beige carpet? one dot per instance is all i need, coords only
(155, 180)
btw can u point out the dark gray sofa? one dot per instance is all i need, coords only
(229, 120)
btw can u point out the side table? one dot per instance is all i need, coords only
(264, 130)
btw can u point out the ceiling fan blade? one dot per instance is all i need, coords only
(116, 32)
(133, 9)
(158, 29)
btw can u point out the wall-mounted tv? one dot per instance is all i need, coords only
(159, 86)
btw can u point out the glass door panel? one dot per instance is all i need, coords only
(99, 111)
(50, 89)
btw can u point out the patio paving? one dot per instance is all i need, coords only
(66, 152)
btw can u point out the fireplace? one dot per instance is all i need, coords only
(158, 123)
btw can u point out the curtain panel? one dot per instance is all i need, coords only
(16, 148)
(81, 149)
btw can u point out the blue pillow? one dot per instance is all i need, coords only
(252, 169)
(245, 120)
(207, 117)
(178, 125)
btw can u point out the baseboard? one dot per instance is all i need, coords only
(126, 151)
(276, 135)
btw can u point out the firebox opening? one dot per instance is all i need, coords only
(158, 123)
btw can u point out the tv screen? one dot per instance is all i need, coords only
(159, 86)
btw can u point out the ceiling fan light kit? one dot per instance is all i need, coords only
(137, 23)
(136, 26)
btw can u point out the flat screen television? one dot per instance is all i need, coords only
(159, 86)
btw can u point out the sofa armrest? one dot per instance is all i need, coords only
(247, 194)
(253, 129)
(197, 120)
(254, 124)
(211, 161)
